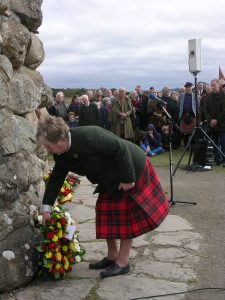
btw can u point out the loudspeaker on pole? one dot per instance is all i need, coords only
(194, 56)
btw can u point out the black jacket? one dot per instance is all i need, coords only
(215, 109)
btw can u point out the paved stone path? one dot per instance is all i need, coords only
(162, 261)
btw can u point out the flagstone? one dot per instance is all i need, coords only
(86, 231)
(194, 245)
(53, 290)
(139, 241)
(170, 271)
(129, 287)
(174, 223)
(82, 213)
(180, 238)
(175, 255)
(82, 270)
(88, 201)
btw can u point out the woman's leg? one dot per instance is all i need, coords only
(143, 147)
(123, 257)
(157, 150)
(113, 250)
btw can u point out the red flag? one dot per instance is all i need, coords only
(221, 76)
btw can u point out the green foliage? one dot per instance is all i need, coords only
(69, 92)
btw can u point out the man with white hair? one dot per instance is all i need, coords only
(59, 108)
(89, 113)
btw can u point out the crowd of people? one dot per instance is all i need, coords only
(141, 118)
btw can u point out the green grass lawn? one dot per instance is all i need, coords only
(162, 160)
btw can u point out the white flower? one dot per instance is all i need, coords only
(77, 247)
(8, 255)
(56, 209)
(77, 258)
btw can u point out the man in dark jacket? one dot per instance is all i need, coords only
(215, 116)
(130, 202)
(89, 113)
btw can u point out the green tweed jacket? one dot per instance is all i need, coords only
(104, 158)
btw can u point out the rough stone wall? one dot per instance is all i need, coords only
(22, 93)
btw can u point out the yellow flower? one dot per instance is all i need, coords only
(58, 256)
(57, 266)
(64, 248)
(71, 246)
(48, 254)
(49, 265)
(59, 225)
(46, 177)
(66, 264)
(60, 234)
(55, 238)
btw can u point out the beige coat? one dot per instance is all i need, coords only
(117, 122)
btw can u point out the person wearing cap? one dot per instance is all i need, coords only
(131, 201)
(187, 113)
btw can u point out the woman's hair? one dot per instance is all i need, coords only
(50, 129)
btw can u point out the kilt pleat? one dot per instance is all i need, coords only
(126, 215)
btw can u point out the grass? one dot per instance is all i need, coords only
(162, 160)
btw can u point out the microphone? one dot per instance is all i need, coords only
(153, 97)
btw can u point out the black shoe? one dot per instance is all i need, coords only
(115, 270)
(101, 264)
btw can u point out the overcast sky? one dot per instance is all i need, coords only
(114, 43)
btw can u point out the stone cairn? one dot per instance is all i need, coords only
(23, 94)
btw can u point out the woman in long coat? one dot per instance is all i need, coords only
(120, 116)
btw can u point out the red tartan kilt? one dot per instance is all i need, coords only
(126, 215)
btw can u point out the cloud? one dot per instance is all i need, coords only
(122, 43)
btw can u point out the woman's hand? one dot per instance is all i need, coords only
(45, 217)
(124, 115)
(126, 186)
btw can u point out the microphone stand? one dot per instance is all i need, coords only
(170, 120)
